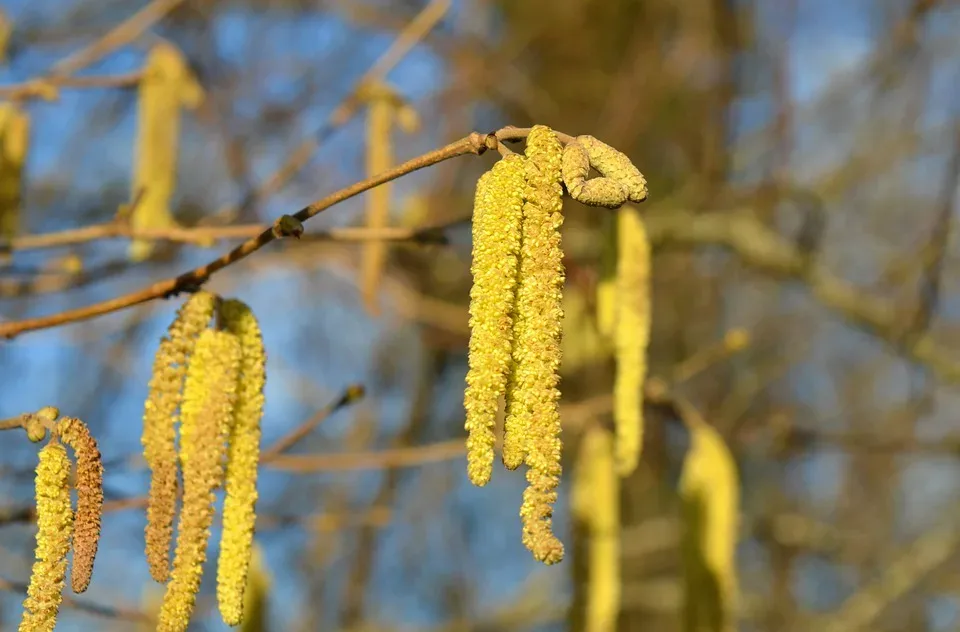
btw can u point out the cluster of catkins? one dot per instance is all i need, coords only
(515, 310)
(210, 380)
(58, 525)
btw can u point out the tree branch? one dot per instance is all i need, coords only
(476, 143)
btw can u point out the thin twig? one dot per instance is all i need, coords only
(409, 456)
(351, 394)
(412, 33)
(475, 143)
(119, 36)
(203, 235)
(108, 612)
(46, 88)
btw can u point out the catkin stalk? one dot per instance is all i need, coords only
(631, 336)
(239, 505)
(209, 397)
(54, 529)
(497, 218)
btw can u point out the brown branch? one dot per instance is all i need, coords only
(201, 236)
(475, 143)
(350, 395)
(412, 33)
(47, 87)
(409, 456)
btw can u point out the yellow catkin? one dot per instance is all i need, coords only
(596, 504)
(601, 191)
(239, 505)
(209, 397)
(86, 532)
(709, 493)
(497, 215)
(160, 426)
(14, 141)
(166, 87)
(534, 393)
(615, 165)
(631, 336)
(607, 283)
(54, 528)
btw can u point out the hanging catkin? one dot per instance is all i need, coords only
(596, 504)
(534, 396)
(497, 216)
(167, 86)
(209, 397)
(14, 141)
(243, 456)
(160, 418)
(709, 494)
(86, 532)
(631, 336)
(54, 529)
(384, 108)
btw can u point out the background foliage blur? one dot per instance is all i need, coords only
(803, 158)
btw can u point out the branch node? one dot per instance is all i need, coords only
(287, 226)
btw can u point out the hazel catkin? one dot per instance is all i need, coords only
(614, 164)
(243, 456)
(54, 529)
(160, 418)
(497, 219)
(535, 395)
(631, 336)
(86, 533)
(209, 397)
(601, 191)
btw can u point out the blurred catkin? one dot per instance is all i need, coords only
(54, 529)
(607, 282)
(167, 86)
(631, 336)
(596, 504)
(709, 494)
(14, 142)
(209, 397)
(86, 533)
(497, 216)
(239, 505)
(534, 394)
(160, 426)
(381, 110)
